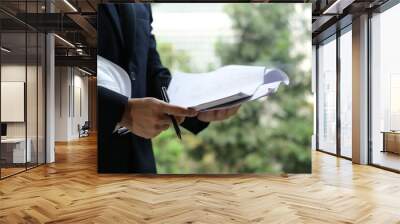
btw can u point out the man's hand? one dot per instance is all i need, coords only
(218, 115)
(147, 117)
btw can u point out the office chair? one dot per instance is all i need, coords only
(84, 130)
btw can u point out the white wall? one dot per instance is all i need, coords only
(12, 73)
(61, 103)
(80, 94)
(71, 93)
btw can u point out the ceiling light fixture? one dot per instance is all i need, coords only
(79, 51)
(65, 41)
(337, 7)
(5, 50)
(70, 5)
(84, 71)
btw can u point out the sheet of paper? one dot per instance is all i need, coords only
(272, 79)
(265, 90)
(191, 90)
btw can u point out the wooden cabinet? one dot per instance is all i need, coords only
(391, 142)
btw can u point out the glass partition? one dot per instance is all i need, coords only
(22, 88)
(13, 94)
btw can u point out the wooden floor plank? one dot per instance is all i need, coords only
(71, 191)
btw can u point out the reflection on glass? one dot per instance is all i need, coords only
(385, 86)
(327, 97)
(345, 94)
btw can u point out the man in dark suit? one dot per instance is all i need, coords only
(125, 39)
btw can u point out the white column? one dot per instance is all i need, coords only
(360, 90)
(50, 99)
(50, 92)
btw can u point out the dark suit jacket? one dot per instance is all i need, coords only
(124, 37)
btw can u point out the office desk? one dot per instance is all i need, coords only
(13, 150)
(391, 141)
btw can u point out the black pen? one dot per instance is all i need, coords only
(166, 99)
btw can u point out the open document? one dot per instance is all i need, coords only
(225, 87)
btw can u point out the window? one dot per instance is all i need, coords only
(346, 92)
(385, 89)
(327, 96)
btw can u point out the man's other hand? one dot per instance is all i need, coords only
(218, 115)
(148, 117)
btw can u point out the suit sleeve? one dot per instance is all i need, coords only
(111, 106)
(160, 76)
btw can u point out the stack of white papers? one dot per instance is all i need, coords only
(225, 87)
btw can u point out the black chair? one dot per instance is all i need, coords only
(84, 130)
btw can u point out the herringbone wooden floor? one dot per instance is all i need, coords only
(70, 191)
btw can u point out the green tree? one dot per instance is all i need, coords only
(270, 135)
(172, 58)
(169, 152)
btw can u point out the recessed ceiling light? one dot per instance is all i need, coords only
(70, 5)
(65, 41)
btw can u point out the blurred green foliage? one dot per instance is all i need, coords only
(173, 59)
(271, 135)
